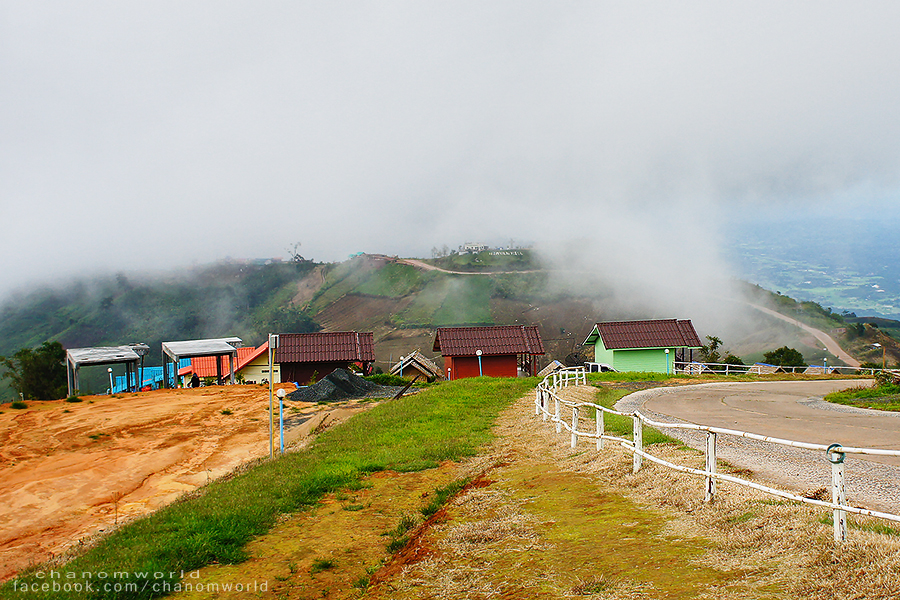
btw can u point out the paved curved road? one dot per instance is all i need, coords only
(791, 410)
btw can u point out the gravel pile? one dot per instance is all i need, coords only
(342, 384)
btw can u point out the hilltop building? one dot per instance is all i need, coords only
(304, 356)
(498, 351)
(650, 346)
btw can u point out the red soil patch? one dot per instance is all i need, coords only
(70, 470)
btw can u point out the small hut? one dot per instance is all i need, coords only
(498, 351)
(651, 346)
(417, 364)
(304, 356)
(764, 369)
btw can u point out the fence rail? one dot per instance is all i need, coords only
(698, 368)
(547, 394)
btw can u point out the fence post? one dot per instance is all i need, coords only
(574, 426)
(638, 443)
(710, 466)
(537, 400)
(556, 418)
(837, 492)
(601, 426)
(545, 405)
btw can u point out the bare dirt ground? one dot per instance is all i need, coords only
(70, 471)
(308, 286)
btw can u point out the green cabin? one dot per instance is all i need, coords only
(653, 346)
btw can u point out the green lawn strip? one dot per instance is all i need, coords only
(445, 422)
(624, 426)
(885, 397)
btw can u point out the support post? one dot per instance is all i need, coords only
(601, 428)
(638, 430)
(556, 418)
(837, 492)
(272, 339)
(574, 426)
(545, 406)
(710, 466)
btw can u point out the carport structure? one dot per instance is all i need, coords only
(132, 356)
(218, 347)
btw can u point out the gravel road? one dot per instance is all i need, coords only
(790, 410)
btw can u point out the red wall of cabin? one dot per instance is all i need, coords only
(459, 367)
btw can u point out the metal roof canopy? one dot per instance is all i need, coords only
(130, 355)
(217, 347)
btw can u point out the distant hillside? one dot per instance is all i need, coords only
(401, 301)
(212, 301)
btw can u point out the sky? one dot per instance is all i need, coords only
(156, 135)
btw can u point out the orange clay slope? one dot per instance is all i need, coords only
(69, 471)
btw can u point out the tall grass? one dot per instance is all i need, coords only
(446, 422)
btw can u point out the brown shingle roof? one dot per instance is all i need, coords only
(657, 333)
(500, 339)
(320, 347)
(419, 361)
(692, 340)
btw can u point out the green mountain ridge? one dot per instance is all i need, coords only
(400, 302)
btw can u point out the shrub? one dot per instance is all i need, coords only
(784, 357)
(73, 399)
(321, 564)
(386, 379)
(18, 404)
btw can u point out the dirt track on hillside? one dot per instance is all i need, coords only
(70, 471)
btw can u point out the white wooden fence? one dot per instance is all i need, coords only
(566, 415)
(698, 368)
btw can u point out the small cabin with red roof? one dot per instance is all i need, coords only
(647, 346)
(303, 356)
(498, 351)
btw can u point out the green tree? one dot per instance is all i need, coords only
(709, 352)
(784, 357)
(38, 374)
(731, 359)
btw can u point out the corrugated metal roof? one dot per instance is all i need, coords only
(325, 347)
(102, 355)
(496, 340)
(210, 347)
(656, 333)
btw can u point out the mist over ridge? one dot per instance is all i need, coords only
(143, 137)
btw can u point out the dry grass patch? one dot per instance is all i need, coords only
(779, 549)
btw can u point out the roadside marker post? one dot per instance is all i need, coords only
(273, 343)
(281, 393)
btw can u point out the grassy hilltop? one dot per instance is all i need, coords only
(400, 301)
